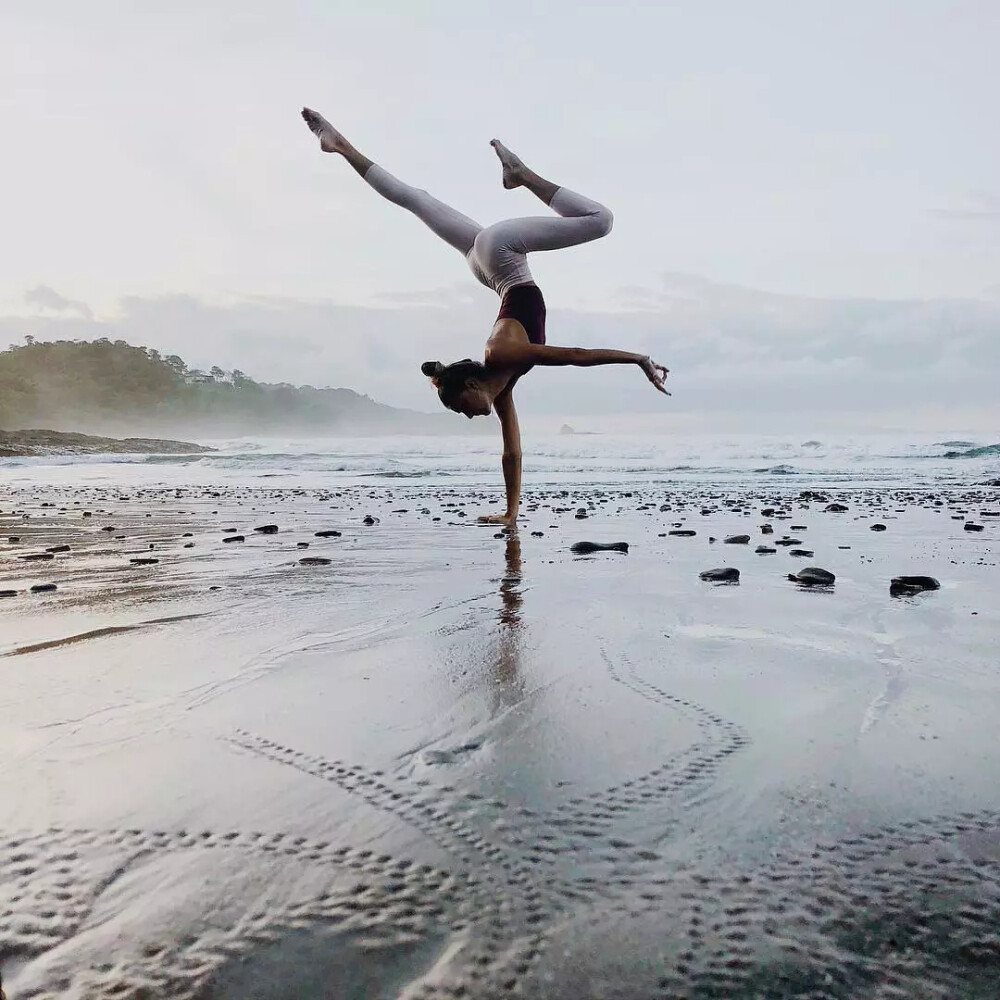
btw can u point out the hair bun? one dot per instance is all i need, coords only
(432, 368)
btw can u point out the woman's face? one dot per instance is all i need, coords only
(473, 402)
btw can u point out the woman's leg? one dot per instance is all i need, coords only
(454, 228)
(501, 248)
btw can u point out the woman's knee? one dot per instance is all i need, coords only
(604, 221)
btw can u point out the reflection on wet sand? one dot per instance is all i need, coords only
(508, 675)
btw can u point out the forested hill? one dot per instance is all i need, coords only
(105, 387)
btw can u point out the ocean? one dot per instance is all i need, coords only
(897, 460)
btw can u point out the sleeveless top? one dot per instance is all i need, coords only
(525, 304)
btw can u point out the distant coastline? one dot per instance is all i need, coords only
(114, 388)
(30, 443)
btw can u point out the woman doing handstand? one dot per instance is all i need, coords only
(497, 256)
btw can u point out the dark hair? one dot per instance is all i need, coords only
(450, 379)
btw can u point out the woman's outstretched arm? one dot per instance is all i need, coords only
(511, 461)
(580, 357)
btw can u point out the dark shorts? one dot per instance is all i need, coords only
(525, 304)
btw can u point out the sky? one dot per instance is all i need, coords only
(806, 193)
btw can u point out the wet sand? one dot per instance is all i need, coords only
(458, 762)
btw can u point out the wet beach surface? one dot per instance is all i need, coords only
(453, 761)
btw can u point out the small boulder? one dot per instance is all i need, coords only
(722, 574)
(369, 520)
(267, 529)
(835, 508)
(682, 533)
(813, 576)
(58, 548)
(765, 550)
(585, 548)
(315, 561)
(802, 552)
(969, 526)
(234, 538)
(8, 593)
(737, 540)
(877, 527)
(906, 586)
(329, 533)
(43, 588)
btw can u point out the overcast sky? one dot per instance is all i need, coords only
(775, 156)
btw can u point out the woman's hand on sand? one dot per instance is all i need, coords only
(655, 373)
(507, 519)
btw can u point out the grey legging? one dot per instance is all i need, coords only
(497, 254)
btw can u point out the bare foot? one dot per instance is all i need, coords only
(513, 168)
(330, 140)
(507, 519)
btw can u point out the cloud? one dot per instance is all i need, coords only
(980, 208)
(48, 298)
(736, 354)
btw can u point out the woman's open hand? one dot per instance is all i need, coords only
(655, 373)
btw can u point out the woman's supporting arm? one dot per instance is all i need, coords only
(511, 460)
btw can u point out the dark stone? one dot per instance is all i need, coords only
(267, 529)
(905, 586)
(234, 538)
(58, 548)
(537, 534)
(230, 531)
(723, 574)
(189, 545)
(110, 527)
(368, 519)
(144, 562)
(766, 529)
(798, 527)
(877, 527)
(765, 550)
(788, 541)
(969, 526)
(737, 540)
(8, 593)
(585, 548)
(302, 545)
(315, 561)
(37, 557)
(43, 588)
(328, 533)
(682, 533)
(188, 534)
(813, 576)
(802, 552)
(835, 508)
(13, 539)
